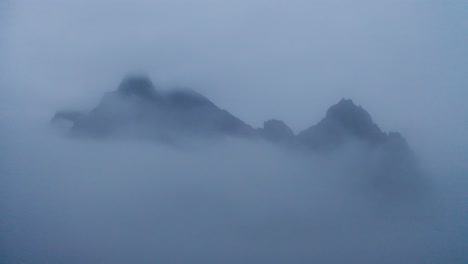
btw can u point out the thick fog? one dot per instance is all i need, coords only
(69, 200)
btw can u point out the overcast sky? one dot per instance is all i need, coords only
(79, 201)
(402, 60)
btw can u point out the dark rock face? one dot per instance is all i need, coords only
(355, 120)
(343, 122)
(139, 86)
(137, 109)
(187, 99)
(277, 131)
(388, 160)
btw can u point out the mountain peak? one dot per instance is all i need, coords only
(355, 119)
(346, 107)
(345, 101)
(342, 121)
(189, 111)
(137, 85)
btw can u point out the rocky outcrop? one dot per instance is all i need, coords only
(353, 120)
(137, 109)
(139, 86)
(277, 131)
(343, 122)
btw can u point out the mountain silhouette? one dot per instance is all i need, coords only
(138, 109)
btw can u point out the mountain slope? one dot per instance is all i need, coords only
(136, 108)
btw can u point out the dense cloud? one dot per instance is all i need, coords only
(234, 200)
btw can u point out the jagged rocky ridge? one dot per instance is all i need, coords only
(138, 108)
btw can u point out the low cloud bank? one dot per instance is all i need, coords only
(226, 201)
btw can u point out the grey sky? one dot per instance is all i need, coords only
(63, 200)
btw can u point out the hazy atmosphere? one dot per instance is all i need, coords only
(163, 155)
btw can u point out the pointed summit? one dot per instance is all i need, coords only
(354, 119)
(346, 108)
(343, 121)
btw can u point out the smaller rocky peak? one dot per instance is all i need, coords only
(186, 98)
(354, 119)
(277, 131)
(138, 85)
(343, 122)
